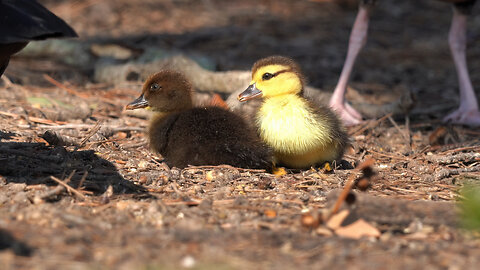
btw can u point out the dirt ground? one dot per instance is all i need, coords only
(125, 209)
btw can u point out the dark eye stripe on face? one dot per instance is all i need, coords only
(280, 72)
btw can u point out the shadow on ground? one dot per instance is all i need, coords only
(34, 163)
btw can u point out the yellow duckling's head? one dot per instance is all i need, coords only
(166, 91)
(274, 76)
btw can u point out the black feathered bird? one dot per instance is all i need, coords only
(185, 135)
(22, 21)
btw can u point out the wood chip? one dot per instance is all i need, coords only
(270, 213)
(323, 231)
(357, 230)
(336, 220)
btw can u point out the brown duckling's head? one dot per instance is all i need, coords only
(274, 76)
(165, 91)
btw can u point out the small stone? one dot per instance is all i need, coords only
(270, 213)
(20, 197)
(309, 221)
(188, 262)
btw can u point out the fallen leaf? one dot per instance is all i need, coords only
(437, 135)
(417, 236)
(336, 220)
(324, 231)
(357, 230)
(121, 135)
(270, 213)
(217, 101)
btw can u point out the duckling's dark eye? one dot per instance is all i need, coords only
(267, 76)
(155, 86)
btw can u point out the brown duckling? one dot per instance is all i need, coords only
(301, 133)
(185, 135)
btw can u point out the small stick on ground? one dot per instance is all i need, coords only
(53, 192)
(82, 126)
(57, 139)
(388, 155)
(348, 187)
(444, 173)
(343, 195)
(33, 119)
(134, 145)
(225, 167)
(69, 188)
(475, 147)
(62, 86)
(407, 129)
(174, 186)
(369, 125)
(454, 158)
(407, 139)
(90, 133)
(82, 180)
(58, 189)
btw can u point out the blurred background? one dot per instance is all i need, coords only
(407, 49)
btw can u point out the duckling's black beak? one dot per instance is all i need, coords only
(138, 103)
(250, 93)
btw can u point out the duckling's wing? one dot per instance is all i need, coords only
(159, 132)
(209, 136)
(237, 143)
(326, 115)
(25, 20)
(248, 154)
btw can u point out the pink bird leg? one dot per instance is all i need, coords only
(467, 113)
(358, 38)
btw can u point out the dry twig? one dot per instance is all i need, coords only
(369, 125)
(64, 87)
(348, 187)
(90, 133)
(58, 189)
(405, 136)
(69, 188)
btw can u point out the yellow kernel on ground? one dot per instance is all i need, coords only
(327, 167)
(279, 171)
(270, 213)
(209, 176)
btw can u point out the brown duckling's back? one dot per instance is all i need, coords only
(207, 136)
(184, 135)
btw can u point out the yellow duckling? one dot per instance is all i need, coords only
(301, 133)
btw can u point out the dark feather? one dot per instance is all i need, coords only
(208, 136)
(22, 21)
(26, 20)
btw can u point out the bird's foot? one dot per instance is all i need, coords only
(347, 113)
(353, 112)
(464, 117)
(6, 81)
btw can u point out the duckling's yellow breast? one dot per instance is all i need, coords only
(297, 135)
(288, 125)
